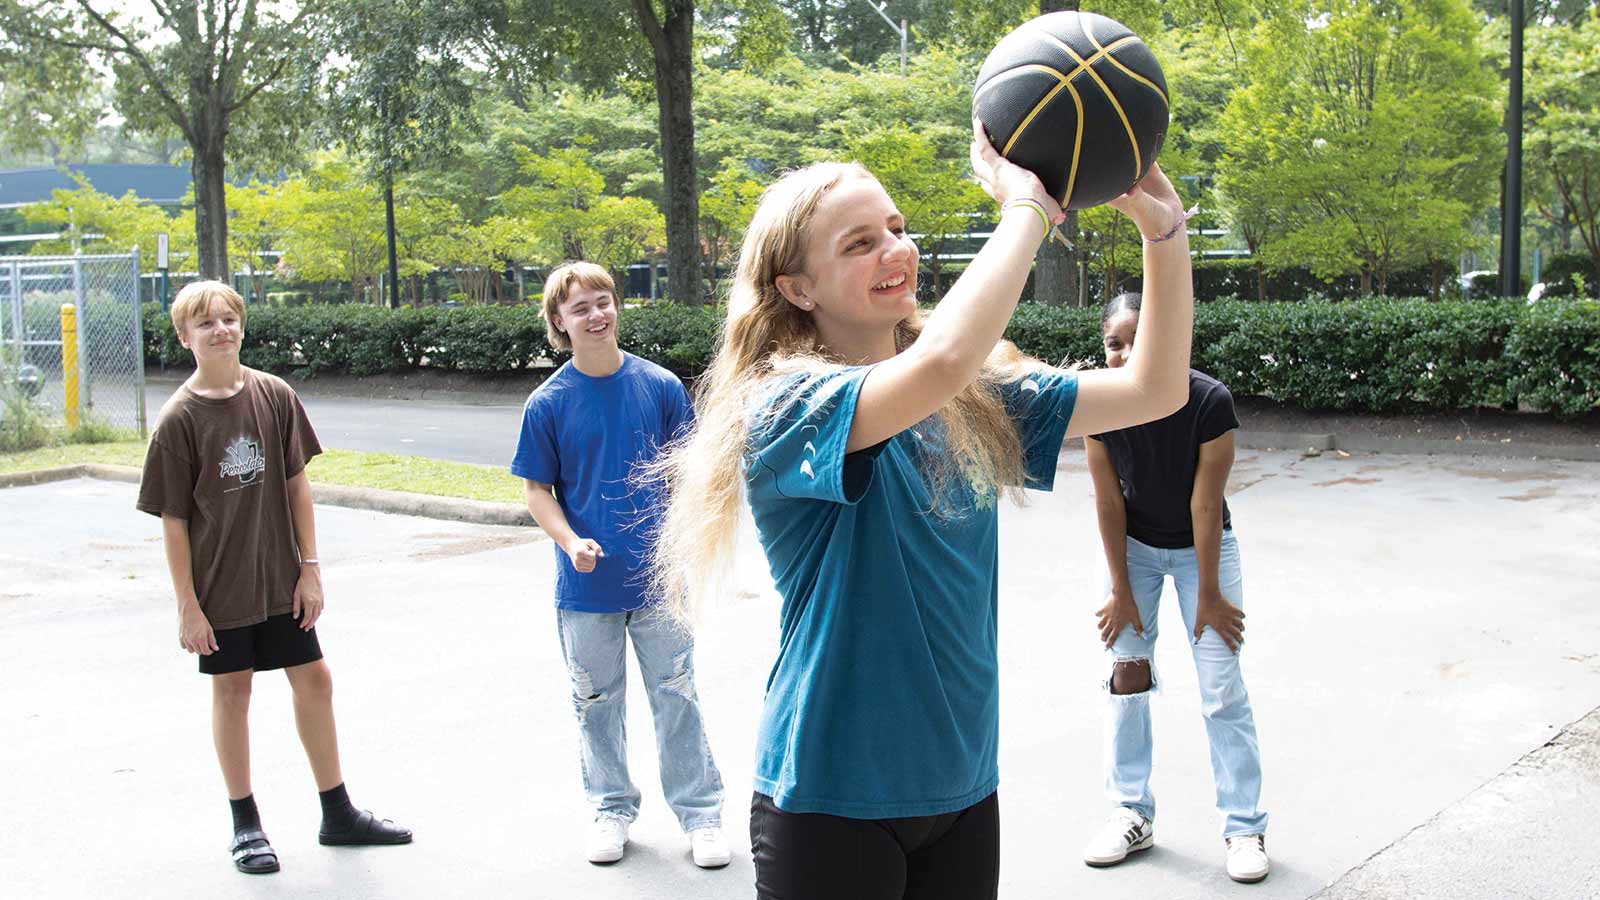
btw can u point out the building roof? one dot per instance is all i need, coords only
(165, 185)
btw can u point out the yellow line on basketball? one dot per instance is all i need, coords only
(1111, 58)
(1085, 63)
(1031, 67)
(1084, 66)
(1077, 144)
(1037, 108)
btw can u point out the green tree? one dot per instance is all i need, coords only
(330, 232)
(568, 215)
(404, 91)
(596, 44)
(195, 67)
(1373, 112)
(99, 223)
(258, 226)
(1563, 128)
(50, 98)
(726, 208)
(476, 251)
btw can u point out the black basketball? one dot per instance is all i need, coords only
(1077, 99)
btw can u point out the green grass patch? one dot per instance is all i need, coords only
(385, 471)
(417, 474)
(119, 453)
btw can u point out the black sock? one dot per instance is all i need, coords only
(245, 815)
(338, 813)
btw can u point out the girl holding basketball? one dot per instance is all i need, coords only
(872, 446)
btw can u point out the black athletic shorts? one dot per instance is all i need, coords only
(277, 643)
(810, 856)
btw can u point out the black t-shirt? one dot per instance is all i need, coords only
(1156, 462)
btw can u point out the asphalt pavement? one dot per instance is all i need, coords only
(1419, 627)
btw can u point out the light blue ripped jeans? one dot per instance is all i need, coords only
(594, 645)
(1230, 725)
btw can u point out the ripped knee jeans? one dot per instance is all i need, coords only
(1224, 702)
(594, 648)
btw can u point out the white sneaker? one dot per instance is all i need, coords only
(1247, 858)
(1124, 832)
(607, 837)
(710, 847)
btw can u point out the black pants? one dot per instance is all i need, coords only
(800, 856)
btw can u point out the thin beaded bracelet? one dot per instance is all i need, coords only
(1173, 231)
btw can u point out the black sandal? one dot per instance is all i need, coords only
(367, 829)
(252, 854)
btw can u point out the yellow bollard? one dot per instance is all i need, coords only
(69, 361)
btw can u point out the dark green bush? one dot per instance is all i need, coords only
(1556, 346)
(1559, 269)
(1374, 355)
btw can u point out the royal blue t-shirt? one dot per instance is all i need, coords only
(884, 699)
(585, 435)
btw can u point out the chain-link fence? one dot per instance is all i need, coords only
(104, 356)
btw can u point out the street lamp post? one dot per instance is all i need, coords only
(1511, 209)
(900, 29)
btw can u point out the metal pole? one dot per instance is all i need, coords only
(85, 364)
(903, 32)
(394, 265)
(138, 351)
(1511, 212)
(16, 308)
(900, 29)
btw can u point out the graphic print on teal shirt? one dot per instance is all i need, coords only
(884, 698)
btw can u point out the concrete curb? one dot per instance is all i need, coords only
(1272, 440)
(402, 503)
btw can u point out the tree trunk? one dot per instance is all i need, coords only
(1055, 281)
(210, 206)
(1261, 281)
(1366, 281)
(393, 300)
(1437, 271)
(672, 43)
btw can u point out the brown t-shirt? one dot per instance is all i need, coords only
(224, 465)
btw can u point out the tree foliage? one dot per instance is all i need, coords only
(1351, 132)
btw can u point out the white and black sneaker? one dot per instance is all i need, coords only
(1247, 858)
(1125, 832)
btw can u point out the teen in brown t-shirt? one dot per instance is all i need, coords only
(225, 471)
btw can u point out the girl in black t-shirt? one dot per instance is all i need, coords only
(1159, 499)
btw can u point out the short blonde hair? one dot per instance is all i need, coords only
(559, 286)
(195, 299)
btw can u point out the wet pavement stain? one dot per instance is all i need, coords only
(473, 545)
(1541, 492)
(1349, 480)
(1508, 476)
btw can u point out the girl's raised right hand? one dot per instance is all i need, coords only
(1004, 180)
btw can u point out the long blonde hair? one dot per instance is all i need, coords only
(764, 335)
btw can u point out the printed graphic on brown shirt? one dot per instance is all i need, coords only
(243, 460)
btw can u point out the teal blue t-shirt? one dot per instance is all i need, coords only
(884, 699)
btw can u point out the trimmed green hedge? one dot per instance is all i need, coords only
(1374, 355)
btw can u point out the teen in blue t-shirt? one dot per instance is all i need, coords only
(1159, 500)
(584, 431)
(872, 446)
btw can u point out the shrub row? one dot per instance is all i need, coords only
(1374, 355)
